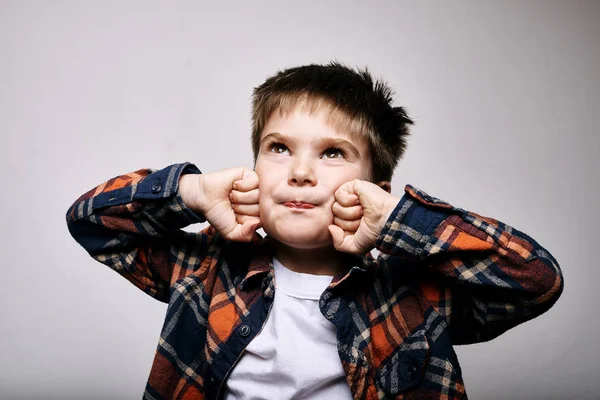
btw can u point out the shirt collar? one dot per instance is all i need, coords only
(358, 267)
(261, 265)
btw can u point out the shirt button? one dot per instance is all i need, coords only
(156, 188)
(244, 330)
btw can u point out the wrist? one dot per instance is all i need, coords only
(190, 190)
(388, 208)
(391, 204)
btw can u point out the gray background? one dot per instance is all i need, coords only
(506, 97)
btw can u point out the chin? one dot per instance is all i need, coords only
(301, 239)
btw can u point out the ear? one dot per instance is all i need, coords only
(385, 185)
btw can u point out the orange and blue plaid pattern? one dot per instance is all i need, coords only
(444, 276)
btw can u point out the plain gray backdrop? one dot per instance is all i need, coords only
(506, 99)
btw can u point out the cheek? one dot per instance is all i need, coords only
(333, 180)
(269, 177)
(264, 205)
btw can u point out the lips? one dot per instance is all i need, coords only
(298, 205)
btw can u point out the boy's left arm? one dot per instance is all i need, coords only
(485, 276)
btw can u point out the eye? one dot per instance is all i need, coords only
(278, 148)
(334, 152)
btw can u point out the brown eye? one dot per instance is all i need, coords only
(333, 153)
(278, 148)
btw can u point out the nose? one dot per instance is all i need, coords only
(302, 173)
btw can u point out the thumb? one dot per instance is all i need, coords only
(248, 228)
(337, 234)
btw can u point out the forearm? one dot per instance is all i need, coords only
(124, 224)
(144, 202)
(493, 275)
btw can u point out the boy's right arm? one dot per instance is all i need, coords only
(132, 223)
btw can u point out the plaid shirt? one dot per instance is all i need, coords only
(444, 276)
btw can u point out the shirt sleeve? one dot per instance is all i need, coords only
(132, 223)
(483, 276)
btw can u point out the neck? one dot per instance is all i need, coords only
(320, 261)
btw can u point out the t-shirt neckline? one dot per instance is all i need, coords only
(298, 284)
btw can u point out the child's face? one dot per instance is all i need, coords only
(301, 162)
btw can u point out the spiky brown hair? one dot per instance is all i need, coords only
(354, 103)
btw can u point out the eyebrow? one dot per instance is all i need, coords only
(275, 136)
(322, 142)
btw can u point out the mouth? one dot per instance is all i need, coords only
(298, 205)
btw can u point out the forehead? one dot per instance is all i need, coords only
(304, 124)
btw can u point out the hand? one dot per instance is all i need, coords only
(228, 199)
(360, 211)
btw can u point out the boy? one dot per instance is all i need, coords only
(307, 312)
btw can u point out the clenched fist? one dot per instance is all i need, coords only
(228, 199)
(360, 211)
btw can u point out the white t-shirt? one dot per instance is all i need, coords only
(295, 355)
